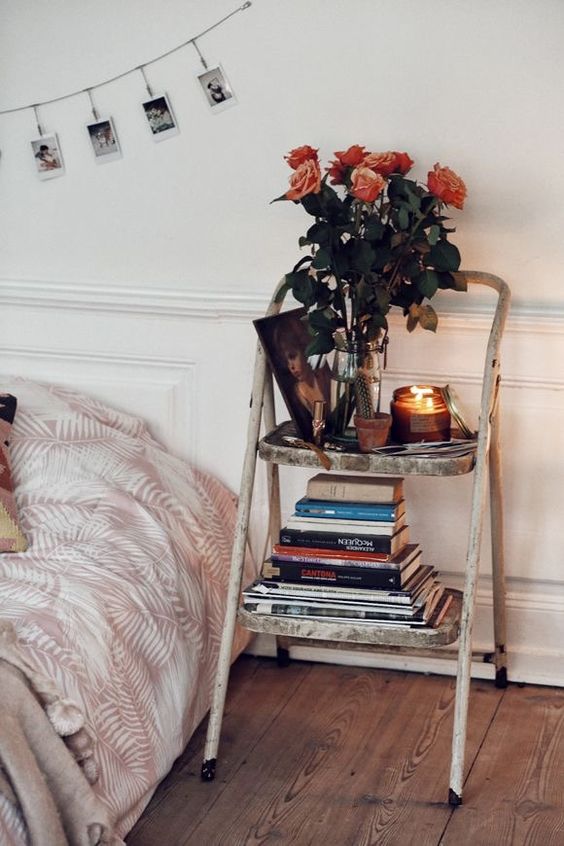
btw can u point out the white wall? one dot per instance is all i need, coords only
(143, 274)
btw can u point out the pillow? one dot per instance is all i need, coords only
(11, 537)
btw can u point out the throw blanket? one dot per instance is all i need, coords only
(46, 756)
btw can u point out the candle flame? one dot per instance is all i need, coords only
(420, 392)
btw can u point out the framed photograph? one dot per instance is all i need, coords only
(47, 156)
(160, 117)
(301, 380)
(217, 91)
(104, 140)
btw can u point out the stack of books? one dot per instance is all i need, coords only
(345, 555)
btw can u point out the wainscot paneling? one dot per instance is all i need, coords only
(184, 363)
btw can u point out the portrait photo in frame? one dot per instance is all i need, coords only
(301, 380)
(47, 156)
(217, 90)
(160, 117)
(104, 140)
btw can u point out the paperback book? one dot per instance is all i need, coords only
(368, 527)
(314, 612)
(410, 596)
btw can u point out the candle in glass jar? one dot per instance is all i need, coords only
(419, 413)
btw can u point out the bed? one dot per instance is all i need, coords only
(119, 598)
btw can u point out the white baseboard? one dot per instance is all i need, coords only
(534, 651)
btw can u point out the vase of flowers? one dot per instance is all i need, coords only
(377, 239)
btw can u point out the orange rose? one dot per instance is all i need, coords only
(366, 185)
(306, 179)
(445, 184)
(351, 157)
(337, 173)
(387, 163)
(300, 155)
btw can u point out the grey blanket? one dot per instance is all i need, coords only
(46, 756)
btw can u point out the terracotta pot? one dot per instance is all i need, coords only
(372, 431)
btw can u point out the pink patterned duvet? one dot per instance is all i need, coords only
(120, 596)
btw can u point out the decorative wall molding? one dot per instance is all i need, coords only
(224, 305)
(160, 390)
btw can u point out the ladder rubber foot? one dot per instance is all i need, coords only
(208, 770)
(282, 657)
(453, 798)
(501, 677)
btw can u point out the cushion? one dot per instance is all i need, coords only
(11, 537)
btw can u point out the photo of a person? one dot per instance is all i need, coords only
(301, 382)
(47, 156)
(104, 140)
(216, 88)
(160, 117)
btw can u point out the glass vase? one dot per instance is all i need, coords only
(355, 383)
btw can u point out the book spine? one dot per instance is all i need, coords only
(340, 540)
(352, 511)
(299, 610)
(333, 561)
(357, 491)
(296, 571)
(337, 525)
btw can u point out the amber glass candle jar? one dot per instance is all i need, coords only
(419, 413)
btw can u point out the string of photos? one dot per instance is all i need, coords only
(157, 109)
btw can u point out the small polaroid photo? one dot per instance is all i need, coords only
(104, 140)
(160, 117)
(217, 91)
(47, 156)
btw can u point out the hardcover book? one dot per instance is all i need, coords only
(350, 510)
(347, 541)
(345, 576)
(375, 489)
(335, 557)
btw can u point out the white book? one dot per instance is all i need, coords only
(365, 527)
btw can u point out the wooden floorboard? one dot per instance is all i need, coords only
(515, 791)
(321, 755)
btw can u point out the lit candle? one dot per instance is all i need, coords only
(419, 413)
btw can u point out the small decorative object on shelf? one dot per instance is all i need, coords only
(378, 240)
(419, 413)
(372, 431)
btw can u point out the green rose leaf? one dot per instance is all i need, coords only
(433, 235)
(321, 343)
(403, 217)
(303, 287)
(374, 228)
(320, 233)
(427, 282)
(313, 205)
(303, 241)
(322, 260)
(361, 256)
(323, 319)
(444, 256)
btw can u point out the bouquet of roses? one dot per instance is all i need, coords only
(377, 239)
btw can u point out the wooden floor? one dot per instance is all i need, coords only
(316, 754)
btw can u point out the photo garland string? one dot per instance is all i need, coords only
(157, 109)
